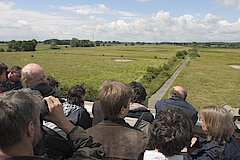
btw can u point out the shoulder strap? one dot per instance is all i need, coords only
(139, 120)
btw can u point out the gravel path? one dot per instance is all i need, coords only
(161, 92)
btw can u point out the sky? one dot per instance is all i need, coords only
(121, 20)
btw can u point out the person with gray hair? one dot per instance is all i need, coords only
(177, 98)
(20, 127)
(33, 73)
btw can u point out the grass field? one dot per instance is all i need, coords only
(92, 66)
(210, 81)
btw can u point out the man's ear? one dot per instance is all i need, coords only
(26, 82)
(30, 129)
(122, 110)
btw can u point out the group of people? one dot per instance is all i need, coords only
(37, 123)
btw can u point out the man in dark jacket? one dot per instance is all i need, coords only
(177, 98)
(20, 127)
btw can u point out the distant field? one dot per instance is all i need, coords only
(210, 81)
(92, 66)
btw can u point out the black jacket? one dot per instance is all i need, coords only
(208, 150)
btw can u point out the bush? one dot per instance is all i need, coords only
(180, 55)
(1, 50)
(193, 52)
(54, 46)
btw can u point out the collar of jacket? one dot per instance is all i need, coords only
(118, 121)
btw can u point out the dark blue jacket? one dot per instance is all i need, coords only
(208, 150)
(180, 103)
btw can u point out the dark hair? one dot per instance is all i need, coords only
(171, 131)
(76, 95)
(174, 93)
(3, 67)
(17, 109)
(52, 82)
(16, 68)
(139, 94)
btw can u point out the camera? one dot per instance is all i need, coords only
(43, 109)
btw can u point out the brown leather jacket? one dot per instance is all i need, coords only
(120, 141)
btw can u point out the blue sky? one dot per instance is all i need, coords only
(121, 20)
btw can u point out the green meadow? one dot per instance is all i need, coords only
(92, 66)
(208, 79)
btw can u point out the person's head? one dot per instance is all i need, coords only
(178, 92)
(3, 70)
(76, 95)
(52, 83)
(139, 92)
(171, 131)
(14, 74)
(32, 73)
(217, 122)
(19, 118)
(114, 99)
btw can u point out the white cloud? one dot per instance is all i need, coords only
(24, 25)
(228, 3)
(162, 27)
(87, 10)
(6, 5)
(23, 22)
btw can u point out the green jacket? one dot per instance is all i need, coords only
(84, 146)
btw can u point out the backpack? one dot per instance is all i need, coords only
(142, 124)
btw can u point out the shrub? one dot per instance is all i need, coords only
(180, 55)
(1, 50)
(54, 46)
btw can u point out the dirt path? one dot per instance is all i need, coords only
(161, 92)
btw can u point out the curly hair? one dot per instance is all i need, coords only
(139, 92)
(171, 131)
(76, 95)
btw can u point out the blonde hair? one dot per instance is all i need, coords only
(219, 123)
(113, 96)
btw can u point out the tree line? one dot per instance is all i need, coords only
(74, 42)
(14, 46)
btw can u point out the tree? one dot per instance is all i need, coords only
(75, 42)
(180, 55)
(54, 46)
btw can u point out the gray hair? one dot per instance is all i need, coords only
(17, 109)
(27, 71)
(175, 93)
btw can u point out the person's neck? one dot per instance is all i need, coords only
(18, 150)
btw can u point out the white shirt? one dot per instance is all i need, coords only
(152, 155)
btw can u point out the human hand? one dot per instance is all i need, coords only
(184, 149)
(193, 141)
(56, 114)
